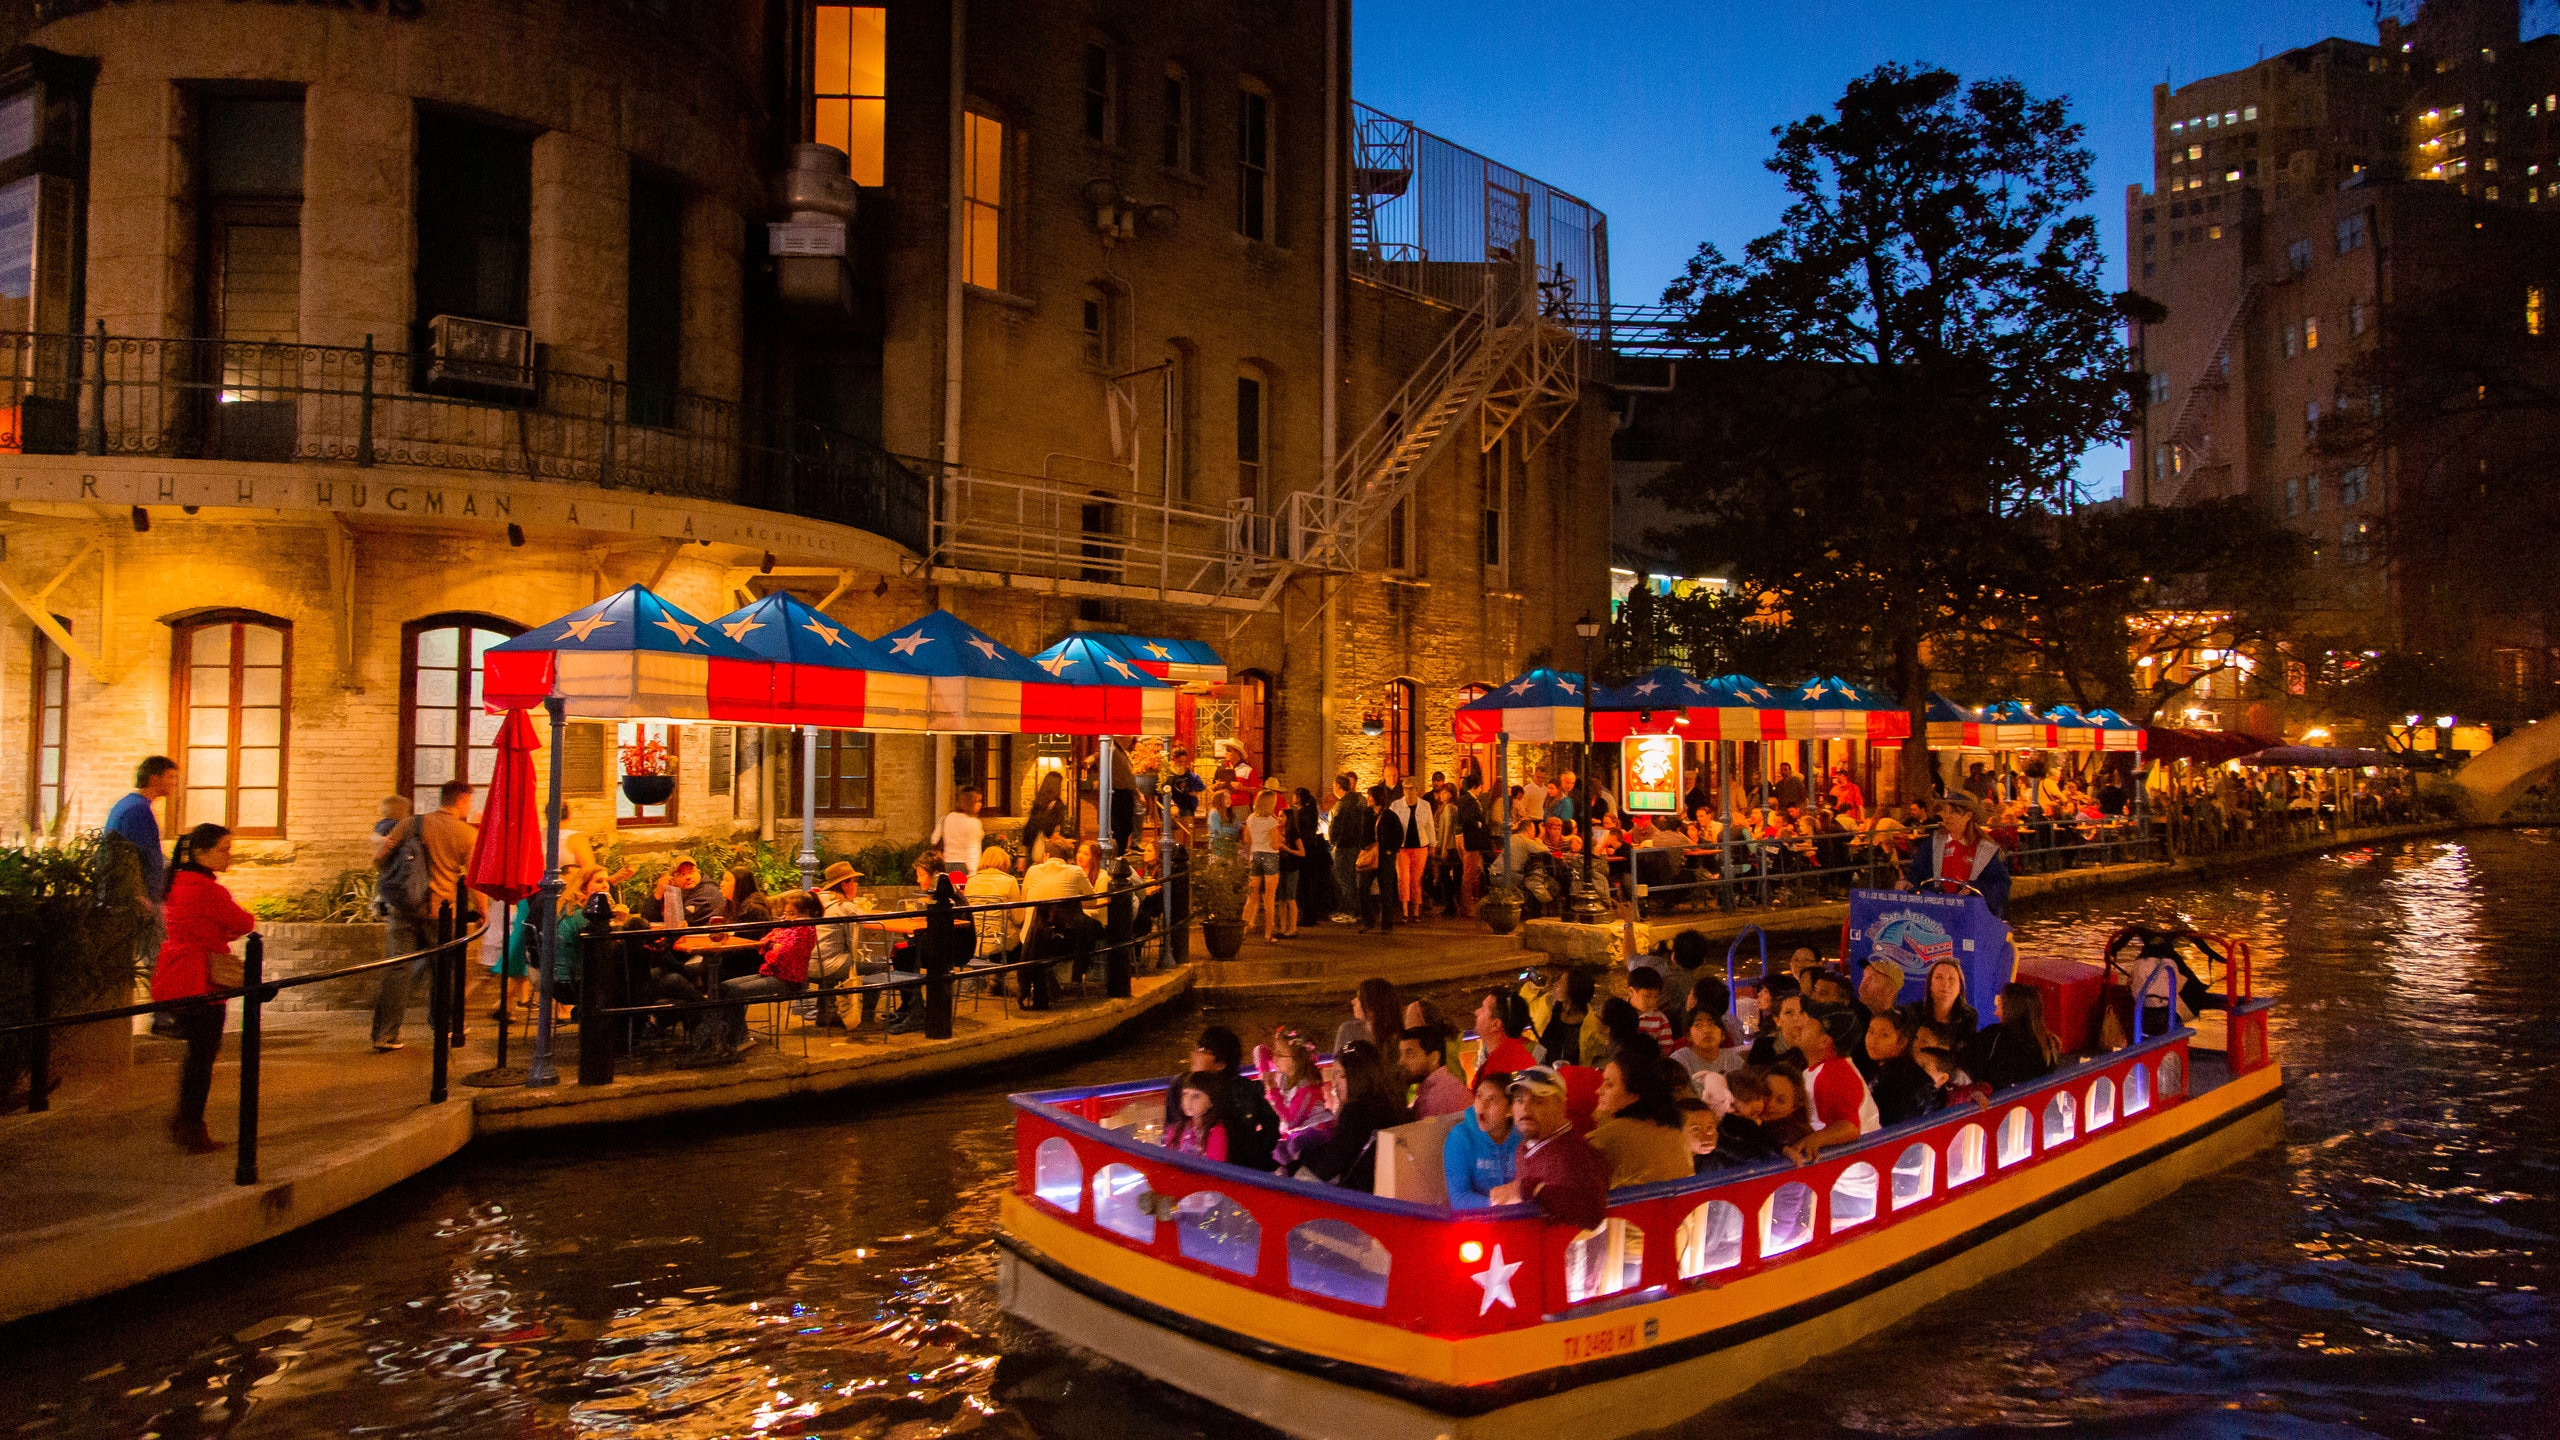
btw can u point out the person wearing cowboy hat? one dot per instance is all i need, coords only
(838, 954)
(1961, 854)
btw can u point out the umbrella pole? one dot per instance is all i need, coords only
(809, 807)
(1102, 803)
(506, 981)
(547, 902)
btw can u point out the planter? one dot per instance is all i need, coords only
(1224, 938)
(648, 789)
(1500, 916)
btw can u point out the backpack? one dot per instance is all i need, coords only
(402, 885)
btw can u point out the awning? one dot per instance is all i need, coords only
(2322, 757)
(1184, 662)
(2212, 747)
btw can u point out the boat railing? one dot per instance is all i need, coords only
(1430, 1270)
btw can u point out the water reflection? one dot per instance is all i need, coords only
(2382, 1273)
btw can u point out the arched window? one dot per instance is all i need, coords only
(1339, 1261)
(230, 674)
(445, 732)
(48, 739)
(1215, 1230)
(1603, 1261)
(1482, 753)
(1404, 728)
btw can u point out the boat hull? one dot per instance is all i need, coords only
(1047, 1278)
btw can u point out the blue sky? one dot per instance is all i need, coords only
(1660, 113)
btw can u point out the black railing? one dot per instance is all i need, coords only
(183, 399)
(444, 1009)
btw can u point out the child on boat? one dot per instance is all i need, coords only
(1202, 1128)
(1292, 1083)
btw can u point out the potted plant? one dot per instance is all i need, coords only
(1500, 907)
(1217, 893)
(76, 910)
(647, 776)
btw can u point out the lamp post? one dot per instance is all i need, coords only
(1586, 908)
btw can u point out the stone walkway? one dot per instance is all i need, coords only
(1329, 957)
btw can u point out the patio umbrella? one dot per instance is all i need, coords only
(2014, 725)
(1843, 711)
(629, 656)
(506, 861)
(1184, 662)
(1957, 727)
(1654, 703)
(2114, 732)
(1104, 692)
(1540, 707)
(812, 670)
(977, 685)
(2071, 729)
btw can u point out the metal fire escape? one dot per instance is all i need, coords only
(2188, 441)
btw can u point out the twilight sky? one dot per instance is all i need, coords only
(1659, 113)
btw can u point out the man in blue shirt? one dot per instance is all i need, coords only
(131, 820)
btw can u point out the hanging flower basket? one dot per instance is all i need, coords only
(648, 789)
(646, 777)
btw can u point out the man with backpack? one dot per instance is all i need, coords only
(418, 869)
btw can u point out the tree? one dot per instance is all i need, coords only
(1921, 354)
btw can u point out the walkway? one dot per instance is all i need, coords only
(98, 1199)
(1334, 958)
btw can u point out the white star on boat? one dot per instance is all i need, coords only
(1495, 1280)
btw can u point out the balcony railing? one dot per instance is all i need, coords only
(357, 405)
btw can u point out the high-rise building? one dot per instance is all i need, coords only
(2302, 211)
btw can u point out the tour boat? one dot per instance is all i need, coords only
(1330, 1313)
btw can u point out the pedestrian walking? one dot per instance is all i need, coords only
(131, 820)
(195, 961)
(1415, 837)
(1386, 842)
(419, 865)
(1348, 836)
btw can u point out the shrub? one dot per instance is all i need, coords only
(75, 909)
(1218, 886)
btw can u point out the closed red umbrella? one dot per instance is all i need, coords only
(506, 861)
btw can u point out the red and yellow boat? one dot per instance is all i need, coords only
(1332, 1313)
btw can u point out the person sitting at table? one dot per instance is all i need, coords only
(742, 899)
(837, 956)
(999, 932)
(685, 896)
(785, 968)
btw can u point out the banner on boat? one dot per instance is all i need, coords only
(1917, 930)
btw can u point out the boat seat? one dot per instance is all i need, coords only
(1409, 1160)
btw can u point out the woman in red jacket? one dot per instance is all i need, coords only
(195, 961)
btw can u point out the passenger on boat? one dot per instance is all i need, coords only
(1558, 1171)
(1572, 1033)
(1375, 1014)
(1751, 1133)
(1501, 1016)
(1640, 1131)
(1294, 1087)
(1945, 1007)
(1622, 1027)
(1363, 1091)
(1879, 990)
(1698, 1129)
(1706, 1052)
(1252, 1128)
(1837, 1103)
(1431, 1089)
(2018, 1048)
(1769, 1042)
(1962, 853)
(1482, 1151)
(1942, 1063)
(1418, 1013)
(1644, 992)
(1201, 1128)
(1902, 1089)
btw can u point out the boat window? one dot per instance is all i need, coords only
(1786, 1218)
(1338, 1261)
(1710, 1239)
(2102, 1103)
(2014, 1142)
(2173, 1075)
(1964, 1156)
(1603, 1261)
(1912, 1174)
(2060, 1124)
(1853, 1197)
(2137, 1089)
(1056, 1175)
(1215, 1230)
(1119, 1196)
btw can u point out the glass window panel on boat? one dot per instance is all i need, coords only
(2016, 1142)
(1217, 1231)
(2173, 1075)
(1786, 1218)
(1339, 1261)
(2137, 1089)
(2059, 1124)
(1603, 1261)
(1964, 1156)
(2102, 1103)
(1056, 1175)
(1119, 1195)
(1710, 1239)
(1853, 1197)
(1912, 1174)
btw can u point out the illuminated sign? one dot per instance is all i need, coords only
(1649, 774)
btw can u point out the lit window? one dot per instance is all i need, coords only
(1177, 120)
(232, 674)
(2249, 112)
(2230, 117)
(844, 775)
(2231, 177)
(1253, 165)
(2533, 310)
(982, 167)
(2195, 152)
(2491, 193)
(1101, 91)
(2311, 332)
(2213, 232)
(2212, 121)
(849, 84)
(2177, 127)
(449, 734)
(2350, 232)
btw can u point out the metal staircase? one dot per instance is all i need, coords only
(2186, 432)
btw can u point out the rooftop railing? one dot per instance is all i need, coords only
(184, 399)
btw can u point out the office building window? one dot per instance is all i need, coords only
(1176, 153)
(2355, 317)
(230, 674)
(844, 775)
(2297, 256)
(849, 85)
(1101, 92)
(982, 169)
(48, 716)
(445, 732)
(474, 221)
(1253, 165)
(2351, 486)
(2310, 332)
(1250, 455)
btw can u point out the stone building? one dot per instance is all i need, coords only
(2296, 206)
(342, 341)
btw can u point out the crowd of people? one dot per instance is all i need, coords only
(1570, 1093)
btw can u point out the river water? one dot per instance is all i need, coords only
(2383, 1272)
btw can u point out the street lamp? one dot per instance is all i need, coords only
(1586, 908)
